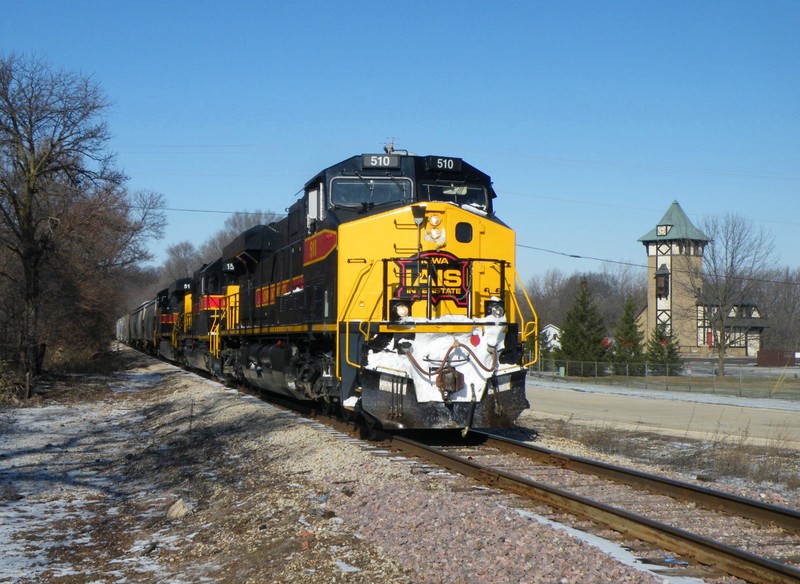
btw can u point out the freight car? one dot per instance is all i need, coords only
(388, 291)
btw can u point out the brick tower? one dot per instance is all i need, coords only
(674, 246)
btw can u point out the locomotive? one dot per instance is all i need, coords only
(389, 291)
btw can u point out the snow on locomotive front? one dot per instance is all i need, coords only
(429, 329)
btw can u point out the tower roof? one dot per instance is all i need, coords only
(674, 225)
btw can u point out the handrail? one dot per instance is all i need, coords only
(533, 324)
(348, 307)
(527, 329)
(214, 341)
(231, 313)
(352, 295)
(176, 326)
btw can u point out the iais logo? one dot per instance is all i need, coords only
(438, 273)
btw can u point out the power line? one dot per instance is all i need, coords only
(519, 245)
(218, 212)
(662, 168)
(580, 257)
(598, 202)
(635, 265)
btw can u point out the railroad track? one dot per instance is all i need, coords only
(745, 538)
(733, 535)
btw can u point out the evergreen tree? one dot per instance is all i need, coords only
(628, 341)
(583, 334)
(545, 352)
(662, 353)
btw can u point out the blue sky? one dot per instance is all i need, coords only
(591, 117)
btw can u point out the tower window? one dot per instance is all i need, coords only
(662, 282)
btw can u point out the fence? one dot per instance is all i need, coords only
(700, 376)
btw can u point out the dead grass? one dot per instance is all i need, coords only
(12, 392)
(732, 456)
(80, 360)
(71, 380)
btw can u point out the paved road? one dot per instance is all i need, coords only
(676, 414)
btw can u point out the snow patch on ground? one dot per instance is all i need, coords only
(609, 548)
(49, 484)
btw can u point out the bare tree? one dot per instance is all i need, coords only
(617, 284)
(734, 263)
(779, 301)
(101, 237)
(52, 148)
(553, 292)
(60, 197)
(183, 259)
(547, 295)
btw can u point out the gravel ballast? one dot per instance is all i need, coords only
(89, 474)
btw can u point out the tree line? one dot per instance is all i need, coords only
(597, 311)
(585, 336)
(70, 229)
(183, 259)
(74, 238)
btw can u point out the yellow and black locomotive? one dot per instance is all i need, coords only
(389, 290)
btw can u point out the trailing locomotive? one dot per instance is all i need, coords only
(389, 290)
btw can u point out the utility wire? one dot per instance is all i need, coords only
(219, 212)
(519, 245)
(635, 265)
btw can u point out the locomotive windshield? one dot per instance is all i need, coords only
(368, 191)
(473, 195)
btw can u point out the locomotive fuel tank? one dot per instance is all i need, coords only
(271, 367)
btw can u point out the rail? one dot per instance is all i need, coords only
(709, 498)
(734, 561)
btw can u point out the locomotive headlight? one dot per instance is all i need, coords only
(401, 310)
(495, 310)
(434, 231)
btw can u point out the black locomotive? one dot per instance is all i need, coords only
(389, 291)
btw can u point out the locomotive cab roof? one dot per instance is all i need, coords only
(209, 278)
(180, 287)
(251, 241)
(431, 178)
